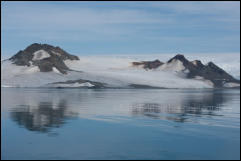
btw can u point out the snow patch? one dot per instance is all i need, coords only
(174, 65)
(210, 83)
(186, 71)
(198, 78)
(31, 63)
(6, 86)
(56, 70)
(230, 85)
(32, 69)
(40, 54)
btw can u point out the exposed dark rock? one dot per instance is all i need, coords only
(141, 86)
(179, 57)
(149, 64)
(198, 64)
(56, 59)
(44, 66)
(96, 84)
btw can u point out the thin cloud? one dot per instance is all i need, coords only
(137, 25)
(38, 17)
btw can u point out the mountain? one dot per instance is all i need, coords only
(45, 56)
(195, 70)
(209, 72)
(43, 65)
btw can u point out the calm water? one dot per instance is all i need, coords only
(120, 124)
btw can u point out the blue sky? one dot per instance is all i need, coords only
(122, 27)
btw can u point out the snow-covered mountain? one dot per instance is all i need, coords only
(42, 65)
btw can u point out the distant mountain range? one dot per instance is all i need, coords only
(43, 65)
(193, 69)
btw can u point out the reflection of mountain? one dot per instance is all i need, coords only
(42, 118)
(44, 109)
(207, 105)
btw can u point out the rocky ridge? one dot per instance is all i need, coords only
(194, 70)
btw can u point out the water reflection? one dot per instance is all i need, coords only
(149, 124)
(179, 111)
(42, 110)
(42, 118)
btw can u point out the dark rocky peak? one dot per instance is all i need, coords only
(180, 58)
(212, 65)
(149, 64)
(51, 50)
(37, 46)
(44, 56)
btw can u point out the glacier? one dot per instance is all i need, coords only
(116, 71)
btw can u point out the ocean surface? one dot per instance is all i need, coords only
(120, 123)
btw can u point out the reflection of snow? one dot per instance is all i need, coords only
(86, 84)
(231, 85)
(120, 105)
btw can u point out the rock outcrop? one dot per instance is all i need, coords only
(81, 83)
(148, 64)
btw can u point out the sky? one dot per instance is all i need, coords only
(95, 28)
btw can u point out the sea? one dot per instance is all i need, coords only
(71, 123)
